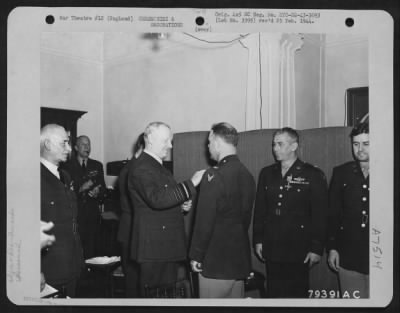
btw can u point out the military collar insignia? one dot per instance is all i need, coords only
(210, 177)
(228, 158)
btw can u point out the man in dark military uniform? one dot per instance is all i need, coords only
(158, 234)
(290, 218)
(88, 177)
(62, 261)
(348, 226)
(220, 248)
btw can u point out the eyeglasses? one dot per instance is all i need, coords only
(64, 144)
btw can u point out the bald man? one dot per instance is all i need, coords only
(61, 262)
(88, 177)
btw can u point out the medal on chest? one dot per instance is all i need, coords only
(288, 182)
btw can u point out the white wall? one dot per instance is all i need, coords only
(75, 84)
(308, 79)
(188, 88)
(124, 85)
(346, 67)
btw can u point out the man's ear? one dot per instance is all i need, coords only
(47, 144)
(218, 142)
(295, 146)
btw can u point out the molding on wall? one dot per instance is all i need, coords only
(70, 56)
(346, 41)
(311, 39)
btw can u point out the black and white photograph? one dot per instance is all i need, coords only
(200, 157)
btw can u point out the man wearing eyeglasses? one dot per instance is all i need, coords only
(61, 262)
(348, 241)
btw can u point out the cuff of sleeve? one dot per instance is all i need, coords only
(317, 247)
(191, 189)
(196, 254)
(331, 244)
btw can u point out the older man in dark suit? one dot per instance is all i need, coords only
(220, 248)
(61, 263)
(158, 239)
(88, 177)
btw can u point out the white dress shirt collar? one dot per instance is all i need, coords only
(158, 159)
(51, 167)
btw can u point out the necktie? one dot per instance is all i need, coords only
(83, 165)
(61, 176)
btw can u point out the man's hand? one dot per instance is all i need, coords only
(94, 193)
(46, 239)
(197, 176)
(196, 266)
(258, 251)
(333, 260)
(186, 206)
(86, 185)
(312, 258)
(42, 282)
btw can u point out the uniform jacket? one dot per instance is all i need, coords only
(94, 171)
(348, 217)
(61, 262)
(290, 212)
(220, 238)
(125, 220)
(158, 228)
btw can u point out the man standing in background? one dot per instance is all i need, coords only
(220, 248)
(289, 218)
(348, 231)
(61, 263)
(88, 177)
